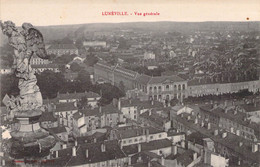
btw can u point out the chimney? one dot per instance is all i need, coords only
(196, 121)
(238, 132)
(162, 161)
(129, 160)
(103, 147)
(56, 154)
(235, 112)
(232, 130)
(209, 126)
(225, 104)
(183, 144)
(202, 124)
(216, 132)
(95, 140)
(152, 102)
(226, 110)
(76, 143)
(139, 147)
(182, 115)
(119, 104)
(150, 112)
(240, 143)
(254, 147)
(195, 155)
(224, 135)
(188, 118)
(73, 151)
(100, 109)
(86, 153)
(174, 149)
(3, 162)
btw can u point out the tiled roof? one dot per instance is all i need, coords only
(161, 79)
(60, 107)
(143, 79)
(47, 116)
(56, 130)
(77, 115)
(62, 46)
(154, 117)
(185, 158)
(251, 107)
(112, 152)
(133, 131)
(152, 145)
(140, 104)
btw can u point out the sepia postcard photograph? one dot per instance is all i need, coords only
(130, 83)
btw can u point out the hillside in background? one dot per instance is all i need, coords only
(74, 31)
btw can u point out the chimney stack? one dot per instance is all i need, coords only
(162, 161)
(224, 135)
(139, 147)
(202, 124)
(196, 121)
(86, 153)
(174, 149)
(238, 132)
(119, 104)
(103, 147)
(254, 147)
(56, 154)
(76, 143)
(209, 126)
(183, 144)
(195, 155)
(240, 143)
(73, 151)
(216, 132)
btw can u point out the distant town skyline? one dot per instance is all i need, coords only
(66, 12)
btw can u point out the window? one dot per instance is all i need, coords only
(151, 137)
(134, 116)
(136, 140)
(155, 88)
(151, 88)
(130, 141)
(159, 88)
(167, 87)
(160, 136)
(141, 139)
(124, 142)
(183, 86)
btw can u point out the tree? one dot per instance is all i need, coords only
(83, 102)
(121, 86)
(108, 92)
(174, 102)
(50, 83)
(64, 59)
(83, 81)
(9, 85)
(91, 60)
(75, 67)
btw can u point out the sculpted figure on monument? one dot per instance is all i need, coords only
(26, 42)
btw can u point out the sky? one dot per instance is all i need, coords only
(63, 12)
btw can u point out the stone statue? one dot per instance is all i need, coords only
(26, 41)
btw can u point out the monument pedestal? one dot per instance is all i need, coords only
(30, 140)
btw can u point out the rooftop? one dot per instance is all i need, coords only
(61, 107)
(47, 116)
(79, 95)
(62, 46)
(95, 154)
(57, 130)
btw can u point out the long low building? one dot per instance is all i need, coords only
(170, 87)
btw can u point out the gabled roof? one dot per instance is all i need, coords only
(134, 131)
(61, 107)
(143, 79)
(95, 155)
(57, 130)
